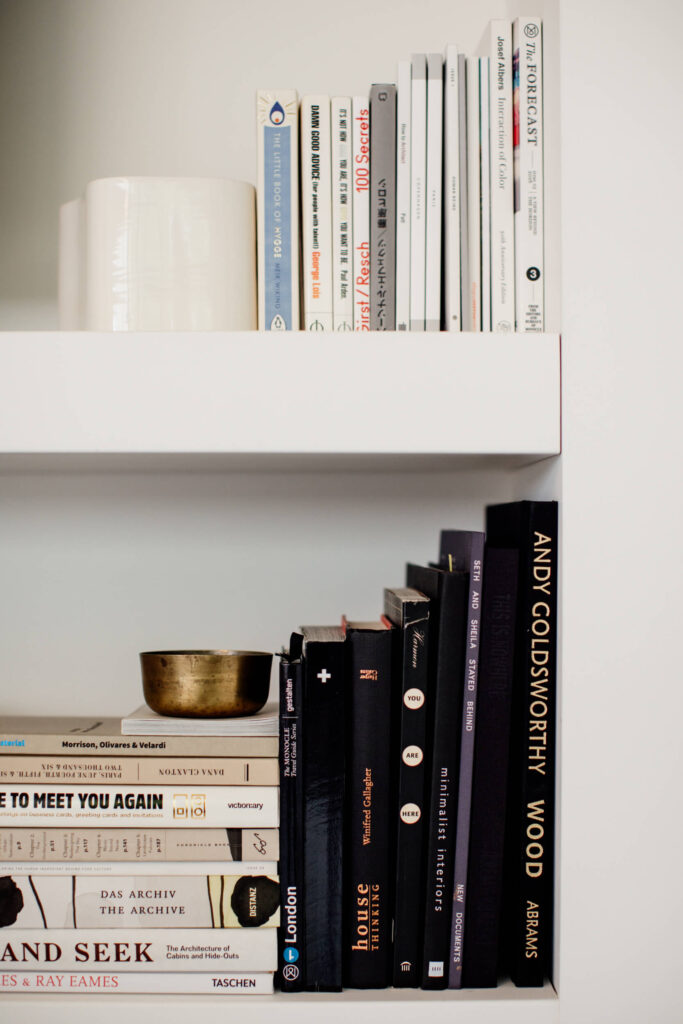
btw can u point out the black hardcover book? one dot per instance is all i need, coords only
(463, 550)
(408, 610)
(367, 853)
(448, 593)
(323, 656)
(489, 784)
(291, 945)
(531, 527)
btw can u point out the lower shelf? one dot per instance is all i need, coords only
(506, 1004)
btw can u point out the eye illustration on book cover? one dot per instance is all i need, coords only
(73, 901)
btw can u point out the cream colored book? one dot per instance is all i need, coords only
(29, 734)
(145, 771)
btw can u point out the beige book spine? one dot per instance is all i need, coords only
(205, 771)
(89, 845)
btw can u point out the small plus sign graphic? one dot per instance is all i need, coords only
(324, 675)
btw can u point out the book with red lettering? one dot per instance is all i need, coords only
(257, 983)
(316, 213)
(361, 213)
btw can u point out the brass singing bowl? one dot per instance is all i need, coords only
(206, 684)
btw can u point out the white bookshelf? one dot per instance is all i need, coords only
(252, 396)
(115, 539)
(506, 1005)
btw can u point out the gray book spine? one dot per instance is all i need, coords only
(383, 208)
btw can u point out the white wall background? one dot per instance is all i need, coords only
(91, 88)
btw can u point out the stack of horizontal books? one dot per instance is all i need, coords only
(417, 764)
(141, 859)
(421, 201)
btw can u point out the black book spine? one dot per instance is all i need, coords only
(383, 208)
(448, 592)
(464, 551)
(367, 932)
(489, 785)
(531, 527)
(291, 945)
(413, 619)
(324, 813)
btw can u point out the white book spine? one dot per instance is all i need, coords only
(434, 212)
(139, 868)
(130, 806)
(452, 193)
(418, 191)
(243, 984)
(502, 211)
(141, 949)
(133, 845)
(342, 214)
(361, 213)
(403, 154)
(277, 118)
(133, 901)
(485, 174)
(316, 213)
(527, 62)
(473, 196)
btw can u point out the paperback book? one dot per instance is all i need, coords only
(342, 213)
(383, 208)
(403, 153)
(277, 119)
(316, 213)
(144, 721)
(361, 213)
(527, 85)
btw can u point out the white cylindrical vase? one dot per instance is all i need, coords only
(171, 254)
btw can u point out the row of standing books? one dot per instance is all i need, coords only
(421, 205)
(417, 758)
(133, 859)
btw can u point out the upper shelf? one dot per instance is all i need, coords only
(260, 397)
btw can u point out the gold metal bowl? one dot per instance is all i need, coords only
(206, 684)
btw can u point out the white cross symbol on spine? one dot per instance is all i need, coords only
(324, 675)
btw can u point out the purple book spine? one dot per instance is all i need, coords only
(464, 551)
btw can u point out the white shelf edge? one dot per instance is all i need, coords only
(250, 395)
(488, 1006)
